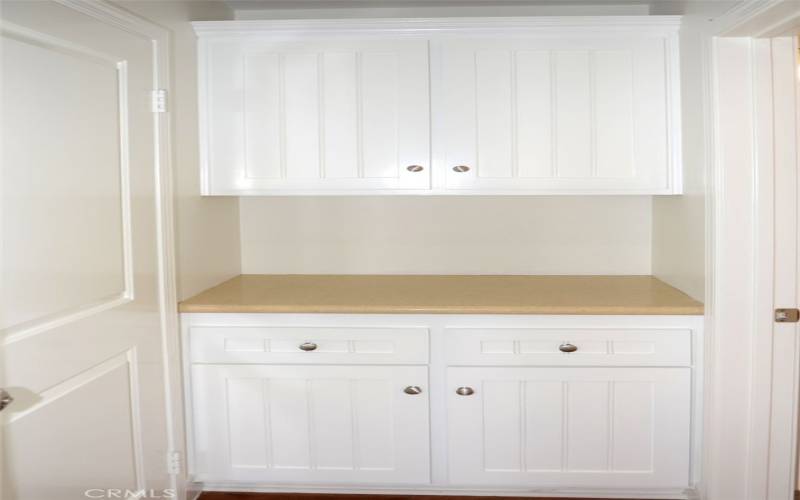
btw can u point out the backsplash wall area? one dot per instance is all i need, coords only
(446, 235)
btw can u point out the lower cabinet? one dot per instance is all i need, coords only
(560, 406)
(577, 427)
(311, 424)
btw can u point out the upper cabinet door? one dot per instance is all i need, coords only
(313, 116)
(576, 113)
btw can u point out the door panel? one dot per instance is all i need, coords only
(570, 427)
(558, 114)
(80, 313)
(323, 424)
(315, 116)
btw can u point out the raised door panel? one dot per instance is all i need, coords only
(570, 427)
(310, 424)
(311, 116)
(572, 114)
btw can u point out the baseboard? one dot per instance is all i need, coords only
(650, 494)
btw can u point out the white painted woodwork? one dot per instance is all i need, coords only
(582, 427)
(785, 349)
(631, 405)
(86, 305)
(281, 345)
(314, 115)
(546, 105)
(753, 454)
(311, 424)
(576, 113)
(612, 347)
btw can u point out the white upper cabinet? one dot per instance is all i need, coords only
(587, 105)
(315, 116)
(572, 114)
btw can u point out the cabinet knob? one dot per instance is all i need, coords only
(415, 168)
(461, 168)
(465, 391)
(308, 346)
(566, 347)
(413, 389)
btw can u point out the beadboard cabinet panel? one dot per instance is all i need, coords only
(452, 106)
(586, 427)
(582, 114)
(330, 424)
(314, 115)
(496, 404)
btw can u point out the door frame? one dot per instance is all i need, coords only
(741, 460)
(159, 39)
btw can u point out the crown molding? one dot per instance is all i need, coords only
(432, 26)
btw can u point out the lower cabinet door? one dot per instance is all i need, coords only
(569, 427)
(310, 424)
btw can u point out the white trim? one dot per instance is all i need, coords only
(203, 112)
(580, 493)
(432, 26)
(740, 460)
(760, 18)
(674, 123)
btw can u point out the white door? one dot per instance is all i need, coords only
(752, 402)
(580, 113)
(569, 427)
(80, 307)
(310, 424)
(314, 116)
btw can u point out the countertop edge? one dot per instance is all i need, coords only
(544, 310)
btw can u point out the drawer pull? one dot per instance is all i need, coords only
(415, 168)
(308, 346)
(461, 169)
(465, 391)
(567, 348)
(413, 389)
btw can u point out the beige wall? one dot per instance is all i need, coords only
(207, 229)
(551, 235)
(679, 221)
(505, 235)
(569, 235)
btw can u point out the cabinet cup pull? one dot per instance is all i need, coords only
(465, 391)
(415, 168)
(308, 346)
(567, 348)
(461, 169)
(413, 389)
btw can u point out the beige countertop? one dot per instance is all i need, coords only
(443, 294)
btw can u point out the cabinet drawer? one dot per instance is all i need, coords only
(600, 347)
(308, 345)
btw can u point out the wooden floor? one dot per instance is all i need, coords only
(218, 495)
